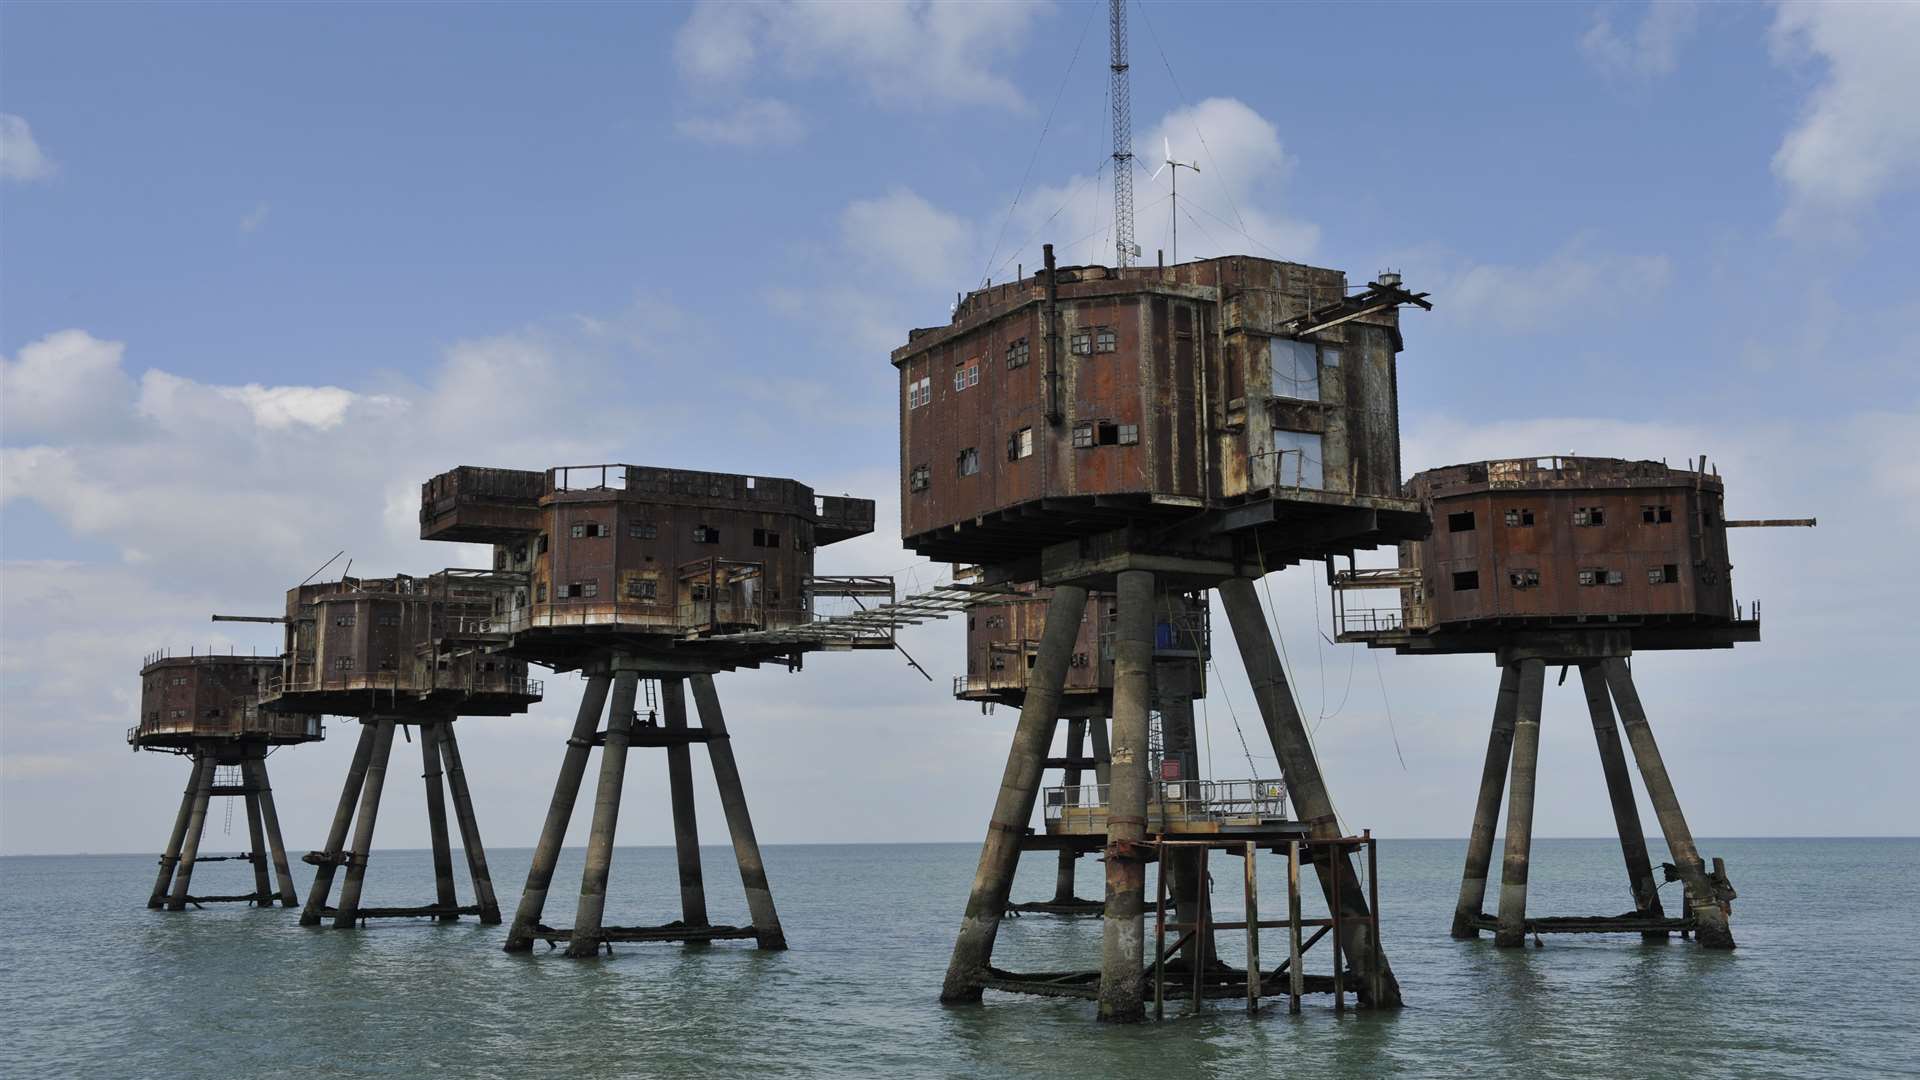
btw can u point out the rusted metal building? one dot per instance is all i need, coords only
(631, 575)
(395, 652)
(1140, 431)
(1003, 646)
(1577, 562)
(206, 707)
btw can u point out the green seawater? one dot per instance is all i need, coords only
(1826, 981)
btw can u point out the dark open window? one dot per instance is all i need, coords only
(1520, 518)
(1466, 580)
(969, 463)
(1663, 575)
(1460, 522)
(766, 538)
(1656, 515)
(706, 534)
(1523, 578)
(1589, 515)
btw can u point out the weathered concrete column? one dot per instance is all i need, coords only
(163, 885)
(469, 824)
(270, 820)
(1626, 814)
(1511, 929)
(443, 893)
(686, 828)
(1486, 809)
(1076, 746)
(1019, 787)
(566, 790)
(1711, 922)
(347, 912)
(1294, 749)
(733, 803)
(190, 848)
(1123, 938)
(337, 832)
(256, 836)
(588, 916)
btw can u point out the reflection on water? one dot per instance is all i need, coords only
(97, 985)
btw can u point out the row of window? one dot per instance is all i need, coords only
(378, 620)
(1099, 339)
(637, 589)
(1522, 518)
(1528, 578)
(1019, 445)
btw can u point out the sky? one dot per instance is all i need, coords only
(265, 268)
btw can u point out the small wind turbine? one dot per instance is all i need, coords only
(1176, 166)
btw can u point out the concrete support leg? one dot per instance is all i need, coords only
(1123, 940)
(190, 846)
(1511, 930)
(686, 828)
(733, 803)
(347, 912)
(337, 832)
(256, 768)
(1626, 814)
(1713, 931)
(1013, 807)
(443, 893)
(1076, 746)
(566, 790)
(163, 885)
(1486, 809)
(589, 914)
(463, 814)
(1287, 732)
(256, 836)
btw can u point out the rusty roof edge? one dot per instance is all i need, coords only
(929, 337)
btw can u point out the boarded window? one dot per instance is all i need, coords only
(1656, 515)
(1329, 357)
(1296, 369)
(969, 461)
(1296, 460)
(1020, 444)
(918, 478)
(1520, 518)
(1018, 353)
(1466, 580)
(1460, 522)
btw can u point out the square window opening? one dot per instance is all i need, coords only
(1466, 580)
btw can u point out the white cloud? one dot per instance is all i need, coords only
(20, 156)
(1858, 136)
(1231, 206)
(904, 233)
(1652, 50)
(251, 221)
(914, 54)
(68, 383)
(278, 407)
(1574, 284)
(754, 122)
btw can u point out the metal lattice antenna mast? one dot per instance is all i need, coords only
(1122, 136)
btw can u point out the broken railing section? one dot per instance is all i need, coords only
(873, 627)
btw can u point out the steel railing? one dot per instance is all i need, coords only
(1179, 800)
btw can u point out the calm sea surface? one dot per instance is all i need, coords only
(1826, 981)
